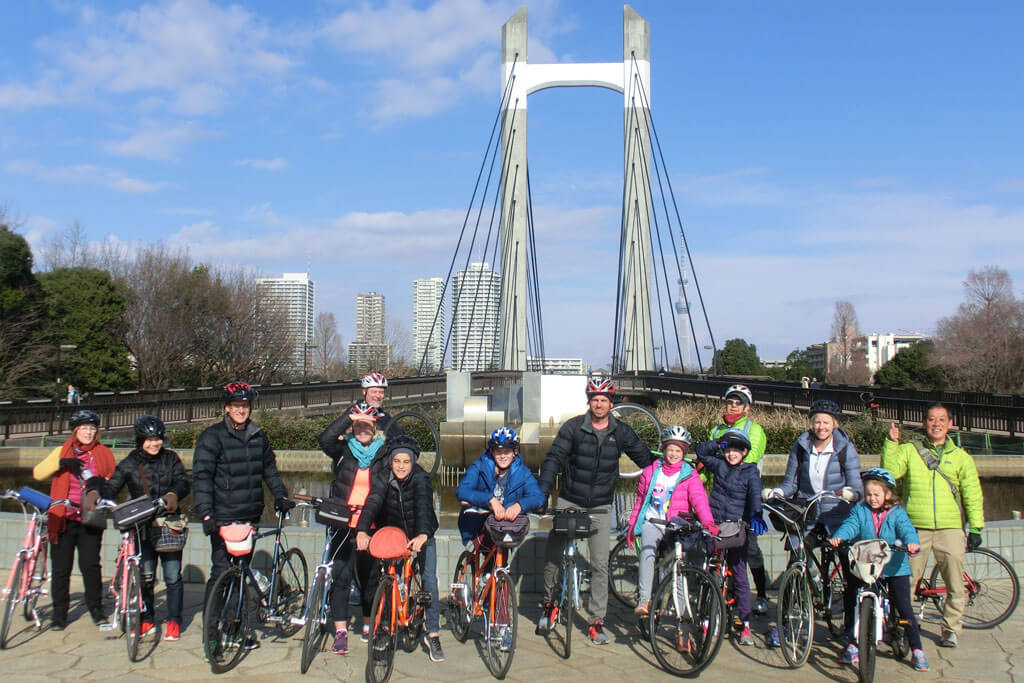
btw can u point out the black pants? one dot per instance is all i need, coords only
(87, 540)
(350, 563)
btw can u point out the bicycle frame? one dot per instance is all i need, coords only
(326, 566)
(32, 555)
(266, 598)
(795, 520)
(128, 554)
(401, 604)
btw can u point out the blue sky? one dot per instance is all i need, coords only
(865, 151)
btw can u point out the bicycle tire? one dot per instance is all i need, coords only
(316, 623)
(292, 590)
(380, 650)
(993, 589)
(646, 425)
(11, 599)
(565, 604)
(898, 632)
(226, 618)
(32, 595)
(133, 613)
(623, 574)
(461, 606)
(795, 617)
(833, 591)
(428, 460)
(499, 660)
(867, 647)
(413, 631)
(686, 628)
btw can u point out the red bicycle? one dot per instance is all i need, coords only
(991, 584)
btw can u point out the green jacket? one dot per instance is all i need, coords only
(929, 500)
(754, 432)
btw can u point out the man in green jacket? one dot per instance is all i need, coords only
(933, 470)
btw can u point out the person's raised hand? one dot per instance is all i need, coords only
(894, 432)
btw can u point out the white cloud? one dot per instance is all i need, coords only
(740, 186)
(159, 142)
(19, 96)
(82, 174)
(275, 164)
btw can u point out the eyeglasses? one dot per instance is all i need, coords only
(733, 402)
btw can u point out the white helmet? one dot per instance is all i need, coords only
(741, 391)
(374, 379)
(676, 433)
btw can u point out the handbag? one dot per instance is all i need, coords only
(169, 532)
(127, 515)
(730, 535)
(573, 523)
(333, 512)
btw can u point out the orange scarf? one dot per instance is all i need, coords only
(61, 484)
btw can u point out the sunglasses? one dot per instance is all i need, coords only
(733, 402)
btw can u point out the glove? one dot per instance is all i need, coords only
(849, 494)
(72, 465)
(974, 539)
(94, 483)
(713, 529)
(170, 501)
(769, 494)
(757, 525)
(630, 539)
(283, 505)
(209, 526)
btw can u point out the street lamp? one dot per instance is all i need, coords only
(714, 359)
(60, 349)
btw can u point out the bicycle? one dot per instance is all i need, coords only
(490, 596)
(24, 585)
(241, 591)
(687, 612)
(812, 584)
(623, 561)
(991, 585)
(399, 605)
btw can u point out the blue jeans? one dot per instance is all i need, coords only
(171, 563)
(428, 572)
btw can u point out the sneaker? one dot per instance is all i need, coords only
(433, 644)
(918, 660)
(642, 610)
(547, 620)
(684, 643)
(147, 628)
(98, 617)
(597, 634)
(850, 655)
(340, 646)
(772, 639)
(365, 637)
(746, 637)
(761, 606)
(172, 631)
(251, 643)
(949, 639)
(57, 625)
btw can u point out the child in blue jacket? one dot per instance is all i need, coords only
(880, 516)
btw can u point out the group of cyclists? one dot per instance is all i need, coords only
(376, 475)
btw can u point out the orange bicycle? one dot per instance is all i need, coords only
(399, 606)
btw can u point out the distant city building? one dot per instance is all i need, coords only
(882, 348)
(293, 293)
(557, 366)
(476, 298)
(428, 323)
(817, 357)
(363, 356)
(370, 318)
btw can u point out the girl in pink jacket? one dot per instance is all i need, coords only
(667, 488)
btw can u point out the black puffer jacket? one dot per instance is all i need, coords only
(589, 469)
(406, 503)
(331, 445)
(164, 473)
(736, 493)
(228, 470)
(346, 466)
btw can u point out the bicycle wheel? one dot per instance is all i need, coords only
(898, 634)
(866, 644)
(33, 586)
(795, 617)
(226, 621)
(292, 589)
(646, 426)
(316, 623)
(565, 605)
(500, 630)
(623, 573)
(461, 603)
(992, 586)
(833, 590)
(416, 424)
(380, 651)
(11, 599)
(413, 631)
(686, 621)
(133, 613)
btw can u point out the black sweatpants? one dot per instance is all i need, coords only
(87, 541)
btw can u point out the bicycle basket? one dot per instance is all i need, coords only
(127, 515)
(574, 523)
(508, 533)
(237, 538)
(334, 512)
(868, 559)
(730, 535)
(36, 498)
(389, 543)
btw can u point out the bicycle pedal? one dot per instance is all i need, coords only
(422, 598)
(298, 621)
(107, 626)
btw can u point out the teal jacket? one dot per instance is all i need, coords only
(896, 526)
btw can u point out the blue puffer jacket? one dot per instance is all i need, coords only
(896, 526)
(477, 488)
(736, 493)
(831, 512)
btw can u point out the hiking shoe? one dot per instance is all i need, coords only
(433, 644)
(340, 646)
(146, 629)
(251, 643)
(949, 639)
(760, 606)
(772, 639)
(918, 660)
(547, 620)
(597, 634)
(98, 617)
(365, 637)
(850, 655)
(172, 631)
(746, 637)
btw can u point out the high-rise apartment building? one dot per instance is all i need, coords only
(294, 294)
(428, 323)
(368, 351)
(476, 298)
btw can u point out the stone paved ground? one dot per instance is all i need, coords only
(82, 652)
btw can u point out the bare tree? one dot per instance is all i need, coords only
(845, 351)
(69, 249)
(327, 356)
(25, 350)
(399, 339)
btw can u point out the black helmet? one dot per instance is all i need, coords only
(503, 437)
(239, 391)
(824, 405)
(733, 438)
(402, 442)
(148, 427)
(84, 417)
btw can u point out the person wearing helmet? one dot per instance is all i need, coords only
(403, 496)
(231, 463)
(667, 488)
(736, 497)
(358, 458)
(936, 472)
(374, 386)
(881, 516)
(586, 453)
(157, 472)
(738, 401)
(71, 464)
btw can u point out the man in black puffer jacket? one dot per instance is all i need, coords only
(586, 453)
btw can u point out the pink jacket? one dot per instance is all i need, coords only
(688, 496)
